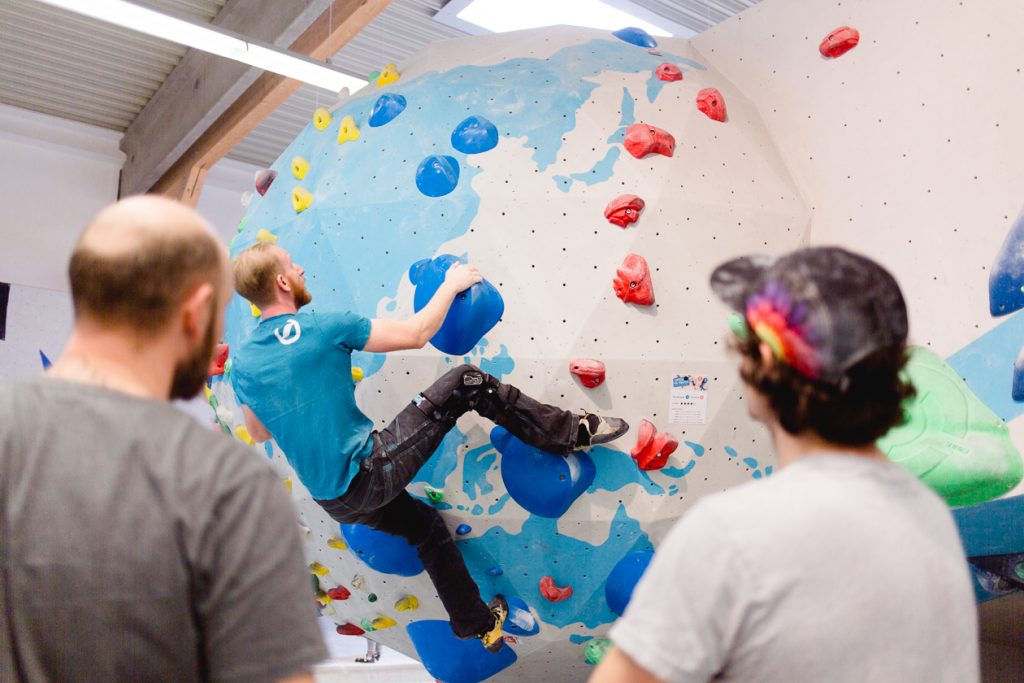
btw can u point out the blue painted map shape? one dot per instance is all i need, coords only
(437, 175)
(1005, 282)
(452, 660)
(383, 552)
(541, 482)
(636, 36)
(473, 313)
(475, 135)
(386, 108)
(623, 579)
(520, 621)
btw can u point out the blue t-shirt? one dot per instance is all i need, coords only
(295, 374)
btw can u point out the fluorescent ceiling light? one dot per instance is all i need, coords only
(500, 16)
(213, 40)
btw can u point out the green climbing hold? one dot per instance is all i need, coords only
(596, 649)
(372, 597)
(315, 580)
(242, 223)
(366, 625)
(435, 495)
(372, 78)
(951, 440)
(738, 325)
(227, 367)
(214, 403)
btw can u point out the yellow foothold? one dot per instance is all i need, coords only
(407, 604)
(318, 569)
(337, 543)
(255, 310)
(348, 130)
(381, 623)
(299, 167)
(243, 435)
(389, 74)
(207, 392)
(288, 484)
(357, 374)
(264, 235)
(301, 199)
(321, 118)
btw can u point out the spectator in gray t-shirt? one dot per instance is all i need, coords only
(842, 567)
(136, 545)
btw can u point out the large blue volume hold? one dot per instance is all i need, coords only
(437, 175)
(1006, 281)
(474, 135)
(618, 589)
(473, 313)
(636, 36)
(543, 483)
(452, 660)
(381, 551)
(386, 108)
(520, 620)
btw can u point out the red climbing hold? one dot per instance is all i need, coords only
(590, 372)
(669, 72)
(552, 592)
(264, 179)
(349, 630)
(632, 282)
(711, 102)
(339, 593)
(652, 447)
(839, 42)
(219, 359)
(624, 209)
(643, 139)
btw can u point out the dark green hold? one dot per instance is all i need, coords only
(596, 649)
(372, 597)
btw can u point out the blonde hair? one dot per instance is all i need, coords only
(254, 271)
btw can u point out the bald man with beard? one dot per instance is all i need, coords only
(135, 544)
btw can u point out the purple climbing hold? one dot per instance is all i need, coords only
(387, 107)
(463, 529)
(475, 135)
(437, 175)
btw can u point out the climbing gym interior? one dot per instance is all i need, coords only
(594, 174)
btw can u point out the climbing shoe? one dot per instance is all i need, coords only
(595, 430)
(494, 639)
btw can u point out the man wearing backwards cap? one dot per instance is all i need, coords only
(840, 567)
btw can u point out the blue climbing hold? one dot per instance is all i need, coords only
(387, 107)
(543, 483)
(473, 313)
(463, 529)
(437, 175)
(636, 36)
(452, 660)
(495, 571)
(520, 620)
(46, 361)
(474, 135)
(1018, 376)
(383, 552)
(1006, 281)
(618, 589)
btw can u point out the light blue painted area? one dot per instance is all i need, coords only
(538, 550)
(391, 305)
(986, 364)
(497, 507)
(697, 449)
(477, 510)
(673, 490)
(618, 136)
(268, 447)
(443, 462)
(654, 87)
(750, 462)
(679, 472)
(602, 170)
(475, 464)
(563, 183)
(579, 640)
(616, 469)
(498, 365)
(730, 451)
(628, 108)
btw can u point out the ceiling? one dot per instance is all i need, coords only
(73, 67)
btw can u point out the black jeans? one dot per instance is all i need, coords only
(377, 496)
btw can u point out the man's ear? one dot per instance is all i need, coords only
(282, 282)
(196, 310)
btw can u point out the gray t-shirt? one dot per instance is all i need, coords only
(838, 568)
(137, 546)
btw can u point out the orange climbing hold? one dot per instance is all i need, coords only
(712, 104)
(839, 42)
(643, 139)
(552, 592)
(652, 447)
(624, 209)
(590, 371)
(632, 282)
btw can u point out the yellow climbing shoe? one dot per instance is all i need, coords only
(494, 639)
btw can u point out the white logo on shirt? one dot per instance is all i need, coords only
(289, 334)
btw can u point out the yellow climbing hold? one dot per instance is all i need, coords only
(288, 483)
(381, 623)
(407, 604)
(243, 435)
(387, 76)
(337, 543)
(207, 392)
(299, 167)
(318, 569)
(264, 235)
(321, 118)
(301, 199)
(255, 310)
(357, 374)
(348, 130)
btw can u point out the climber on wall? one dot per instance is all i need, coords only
(841, 567)
(293, 377)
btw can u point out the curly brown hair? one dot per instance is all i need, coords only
(858, 414)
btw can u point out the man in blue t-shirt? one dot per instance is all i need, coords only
(293, 377)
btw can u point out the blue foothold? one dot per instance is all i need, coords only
(495, 571)
(636, 36)
(463, 529)
(623, 578)
(474, 135)
(46, 361)
(1018, 377)
(387, 107)
(437, 175)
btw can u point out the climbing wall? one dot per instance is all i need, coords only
(529, 155)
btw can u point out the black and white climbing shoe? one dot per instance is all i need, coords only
(595, 430)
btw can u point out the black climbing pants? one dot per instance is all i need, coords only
(378, 499)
